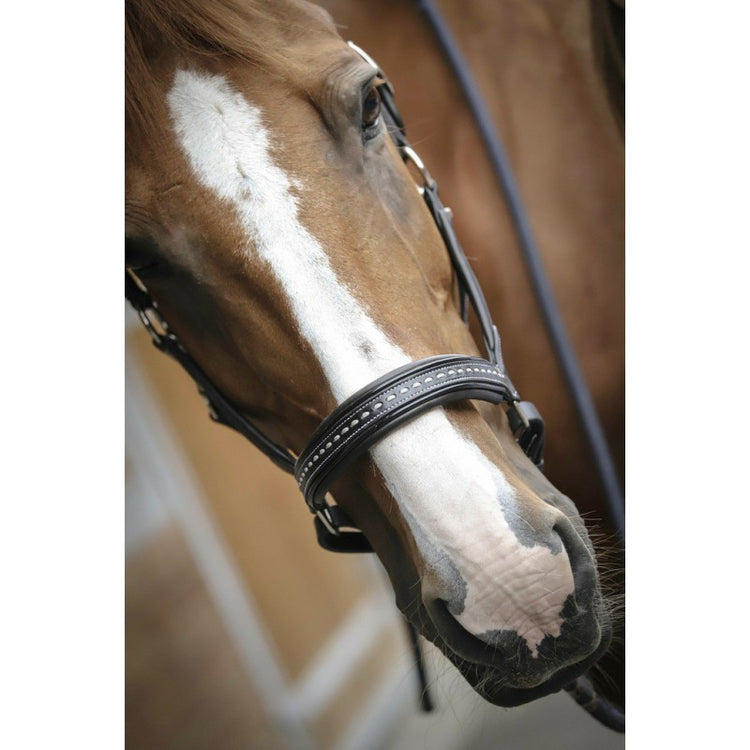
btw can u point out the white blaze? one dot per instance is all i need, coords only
(440, 479)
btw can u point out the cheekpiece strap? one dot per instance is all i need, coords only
(219, 407)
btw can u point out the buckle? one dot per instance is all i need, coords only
(408, 154)
(328, 524)
(528, 427)
(324, 516)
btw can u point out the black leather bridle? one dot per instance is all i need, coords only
(400, 395)
(396, 397)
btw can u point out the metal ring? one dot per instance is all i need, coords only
(156, 335)
(324, 515)
(408, 154)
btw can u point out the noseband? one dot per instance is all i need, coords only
(396, 397)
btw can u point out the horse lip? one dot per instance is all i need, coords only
(470, 653)
(509, 696)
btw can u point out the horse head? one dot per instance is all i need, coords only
(272, 218)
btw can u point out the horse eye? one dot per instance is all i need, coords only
(370, 108)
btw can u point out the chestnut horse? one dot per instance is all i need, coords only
(274, 222)
(546, 74)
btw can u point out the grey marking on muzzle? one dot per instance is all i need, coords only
(577, 639)
(521, 522)
(451, 584)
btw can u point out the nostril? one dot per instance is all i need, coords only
(463, 642)
(581, 560)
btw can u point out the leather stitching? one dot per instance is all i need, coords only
(308, 473)
(381, 395)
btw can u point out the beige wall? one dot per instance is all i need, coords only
(305, 599)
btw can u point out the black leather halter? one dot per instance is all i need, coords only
(396, 397)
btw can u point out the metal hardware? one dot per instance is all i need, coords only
(325, 518)
(408, 154)
(379, 71)
(156, 335)
(364, 56)
(527, 426)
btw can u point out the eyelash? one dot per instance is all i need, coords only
(371, 130)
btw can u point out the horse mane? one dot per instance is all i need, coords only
(200, 27)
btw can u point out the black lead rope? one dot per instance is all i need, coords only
(580, 690)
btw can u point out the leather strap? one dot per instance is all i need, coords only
(467, 281)
(220, 408)
(383, 405)
(528, 426)
(336, 532)
(469, 288)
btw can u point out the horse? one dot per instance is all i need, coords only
(278, 228)
(552, 78)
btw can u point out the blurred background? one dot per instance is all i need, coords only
(242, 633)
